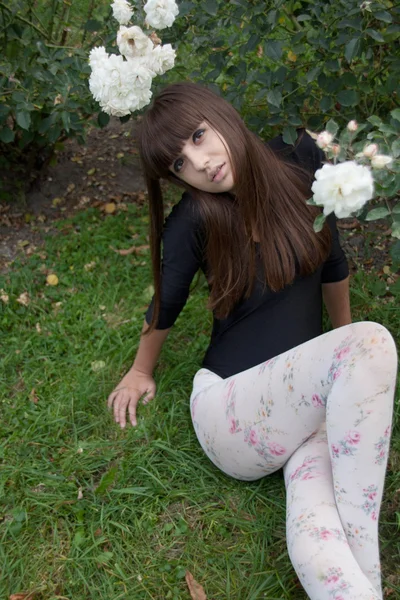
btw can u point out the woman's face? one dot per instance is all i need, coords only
(204, 162)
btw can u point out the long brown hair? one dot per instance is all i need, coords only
(269, 195)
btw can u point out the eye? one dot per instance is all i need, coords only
(178, 164)
(198, 134)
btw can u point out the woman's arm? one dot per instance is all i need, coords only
(149, 349)
(139, 380)
(337, 301)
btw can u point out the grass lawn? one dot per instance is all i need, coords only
(90, 511)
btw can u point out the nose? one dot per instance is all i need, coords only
(199, 159)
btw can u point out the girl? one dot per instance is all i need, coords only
(273, 391)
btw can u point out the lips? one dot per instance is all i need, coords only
(216, 171)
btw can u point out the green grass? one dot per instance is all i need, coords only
(152, 504)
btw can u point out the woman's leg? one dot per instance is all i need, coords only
(317, 544)
(251, 423)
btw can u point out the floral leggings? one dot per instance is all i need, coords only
(323, 412)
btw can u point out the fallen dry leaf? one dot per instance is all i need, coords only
(353, 224)
(98, 365)
(80, 494)
(33, 396)
(110, 208)
(24, 299)
(196, 590)
(52, 279)
(28, 596)
(4, 297)
(90, 266)
(131, 250)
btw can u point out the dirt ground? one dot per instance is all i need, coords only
(106, 171)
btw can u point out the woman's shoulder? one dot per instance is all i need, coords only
(303, 152)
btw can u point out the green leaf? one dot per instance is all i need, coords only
(211, 7)
(7, 135)
(103, 119)
(134, 491)
(396, 209)
(104, 557)
(313, 74)
(274, 97)
(396, 148)
(396, 114)
(319, 222)
(289, 135)
(92, 25)
(396, 230)
(348, 97)
(378, 37)
(326, 103)
(106, 481)
(375, 121)
(273, 49)
(377, 213)
(332, 127)
(352, 49)
(46, 123)
(383, 15)
(23, 119)
(395, 252)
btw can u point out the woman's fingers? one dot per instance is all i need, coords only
(124, 400)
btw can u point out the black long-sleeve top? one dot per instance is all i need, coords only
(266, 324)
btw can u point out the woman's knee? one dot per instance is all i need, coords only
(375, 334)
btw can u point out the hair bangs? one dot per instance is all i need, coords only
(162, 135)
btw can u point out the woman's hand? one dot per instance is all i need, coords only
(127, 394)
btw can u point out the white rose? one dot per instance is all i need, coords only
(352, 125)
(122, 11)
(161, 59)
(366, 5)
(379, 161)
(161, 13)
(324, 139)
(343, 188)
(97, 55)
(370, 150)
(120, 86)
(133, 42)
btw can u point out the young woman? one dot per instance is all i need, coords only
(273, 391)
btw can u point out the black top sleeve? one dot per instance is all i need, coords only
(183, 255)
(308, 155)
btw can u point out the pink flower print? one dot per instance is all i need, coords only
(342, 353)
(331, 579)
(353, 437)
(229, 389)
(276, 449)
(336, 374)
(232, 428)
(317, 402)
(372, 495)
(387, 432)
(308, 475)
(335, 450)
(253, 437)
(326, 535)
(374, 516)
